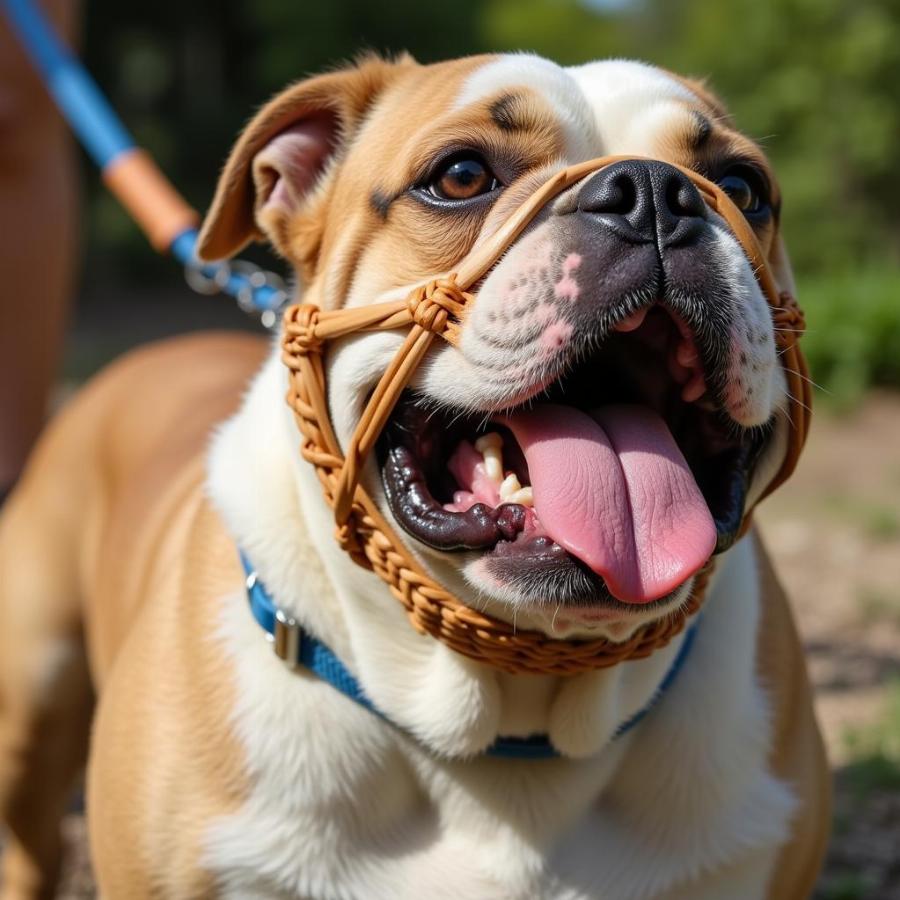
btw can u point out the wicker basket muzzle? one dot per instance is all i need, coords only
(436, 310)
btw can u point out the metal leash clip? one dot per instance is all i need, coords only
(257, 291)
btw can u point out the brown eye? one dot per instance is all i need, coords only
(747, 190)
(463, 178)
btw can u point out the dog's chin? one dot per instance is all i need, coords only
(553, 592)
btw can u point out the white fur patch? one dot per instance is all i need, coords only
(552, 82)
(631, 102)
(612, 106)
(342, 805)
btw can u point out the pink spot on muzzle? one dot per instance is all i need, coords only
(555, 336)
(567, 287)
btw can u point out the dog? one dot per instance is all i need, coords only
(621, 356)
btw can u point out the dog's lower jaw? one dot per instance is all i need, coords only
(567, 620)
(271, 501)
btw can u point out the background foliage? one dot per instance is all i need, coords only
(817, 82)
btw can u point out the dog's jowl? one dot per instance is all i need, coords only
(569, 477)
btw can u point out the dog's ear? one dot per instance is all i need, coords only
(281, 156)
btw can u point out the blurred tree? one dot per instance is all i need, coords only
(295, 39)
(816, 81)
(819, 82)
(186, 76)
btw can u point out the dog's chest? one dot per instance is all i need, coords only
(342, 806)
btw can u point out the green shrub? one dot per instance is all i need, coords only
(874, 749)
(853, 330)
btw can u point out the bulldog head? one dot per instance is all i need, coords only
(615, 399)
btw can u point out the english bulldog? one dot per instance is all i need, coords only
(613, 406)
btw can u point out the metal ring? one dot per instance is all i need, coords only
(263, 278)
(217, 278)
(207, 279)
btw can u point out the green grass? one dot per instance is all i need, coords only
(846, 886)
(878, 606)
(874, 750)
(853, 331)
(878, 521)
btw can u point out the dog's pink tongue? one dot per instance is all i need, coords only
(614, 490)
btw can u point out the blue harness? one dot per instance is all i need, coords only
(299, 648)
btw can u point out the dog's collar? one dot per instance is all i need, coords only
(296, 647)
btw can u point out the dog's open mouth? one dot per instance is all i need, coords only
(625, 472)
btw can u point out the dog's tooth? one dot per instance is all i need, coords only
(493, 465)
(509, 487)
(490, 447)
(524, 497)
(491, 439)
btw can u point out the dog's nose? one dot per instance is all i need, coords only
(644, 201)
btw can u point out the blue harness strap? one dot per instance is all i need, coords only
(299, 648)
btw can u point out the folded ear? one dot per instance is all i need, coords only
(279, 159)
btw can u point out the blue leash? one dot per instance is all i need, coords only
(299, 648)
(108, 142)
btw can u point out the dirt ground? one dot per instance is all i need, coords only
(835, 533)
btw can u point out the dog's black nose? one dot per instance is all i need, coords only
(644, 201)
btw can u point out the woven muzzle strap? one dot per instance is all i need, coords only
(437, 309)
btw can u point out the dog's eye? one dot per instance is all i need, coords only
(747, 189)
(462, 178)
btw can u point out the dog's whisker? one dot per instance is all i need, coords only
(807, 379)
(799, 402)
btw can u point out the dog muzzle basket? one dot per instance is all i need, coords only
(435, 311)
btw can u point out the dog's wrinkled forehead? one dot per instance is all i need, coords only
(599, 108)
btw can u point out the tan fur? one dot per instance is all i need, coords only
(338, 232)
(798, 754)
(110, 513)
(723, 141)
